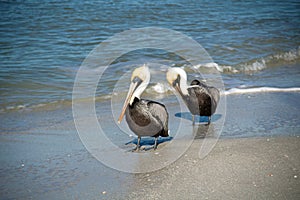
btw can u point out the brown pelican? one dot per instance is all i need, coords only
(144, 117)
(200, 99)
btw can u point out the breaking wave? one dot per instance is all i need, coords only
(260, 90)
(157, 89)
(289, 57)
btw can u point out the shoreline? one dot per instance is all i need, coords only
(257, 155)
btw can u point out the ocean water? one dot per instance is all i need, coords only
(254, 45)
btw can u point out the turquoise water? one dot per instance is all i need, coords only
(255, 43)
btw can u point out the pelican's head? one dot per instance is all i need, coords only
(140, 78)
(177, 78)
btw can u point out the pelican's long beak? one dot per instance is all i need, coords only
(132, 88)
(177, 87)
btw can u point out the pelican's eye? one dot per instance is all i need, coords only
(137, 80)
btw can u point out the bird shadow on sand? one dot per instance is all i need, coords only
(198, 119)
(149, 141)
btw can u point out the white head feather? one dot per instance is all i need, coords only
(142, 73)
(172, 75)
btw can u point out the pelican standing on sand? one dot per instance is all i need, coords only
(200, 99)
(144, 117)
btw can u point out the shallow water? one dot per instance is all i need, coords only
(253, 44)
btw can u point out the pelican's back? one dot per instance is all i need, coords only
(205, 97)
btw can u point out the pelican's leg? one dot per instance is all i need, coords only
(209, 119)
(137, 148)
(138, 143)
(155, 143)
(193, 118)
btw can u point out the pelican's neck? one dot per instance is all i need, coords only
(139, 90)
(183, 85)
(137, 93)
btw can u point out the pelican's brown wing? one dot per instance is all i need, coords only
(159, 112)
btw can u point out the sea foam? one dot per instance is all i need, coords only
(260, 90)
(288, 57)
(159, 88)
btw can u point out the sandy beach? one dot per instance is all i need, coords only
(42, 157)
(253, 168)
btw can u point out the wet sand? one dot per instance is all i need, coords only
(252, 168)
(256, 157)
